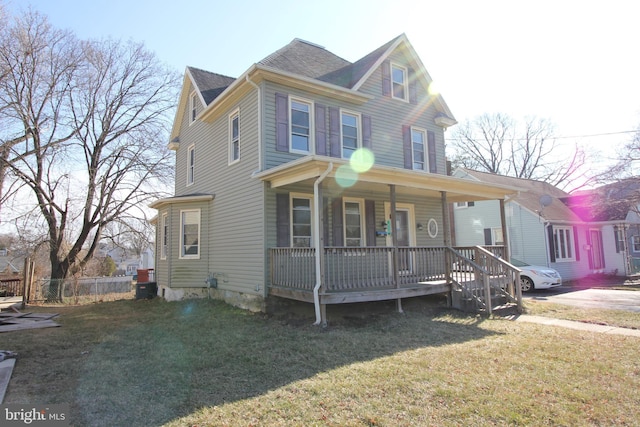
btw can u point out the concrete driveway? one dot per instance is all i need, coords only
(591, 298)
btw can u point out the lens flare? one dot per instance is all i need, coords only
(362, 160)
(433, 89)
(346, 176)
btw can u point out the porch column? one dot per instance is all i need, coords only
(505, 237)
(394, 242)
(447, 241)
(319, 228)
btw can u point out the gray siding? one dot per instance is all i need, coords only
(232, 224)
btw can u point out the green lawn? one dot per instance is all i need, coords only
(147, 363)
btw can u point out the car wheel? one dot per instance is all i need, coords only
(526, 284)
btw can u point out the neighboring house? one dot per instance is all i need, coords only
(289, 177)
(541, 228)
(127, 262)
(614, 208)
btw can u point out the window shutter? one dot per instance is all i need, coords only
(282, 122)
(366, 131)
(575, 243)
(406, 146)
(413, 88)
(431, 146)
(334, 132)
(615, 238)
(282, 220)
(321, 130)
(325, 221)
(370, 221)
(552, 250)
(487, 237)
(337, 221)
(386, 78)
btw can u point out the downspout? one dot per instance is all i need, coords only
(259, 122)
(318, 246)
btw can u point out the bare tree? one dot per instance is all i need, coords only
(91, 120)
(496, 143)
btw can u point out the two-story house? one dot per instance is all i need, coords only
(312, 178)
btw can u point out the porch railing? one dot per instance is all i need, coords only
(477, 272)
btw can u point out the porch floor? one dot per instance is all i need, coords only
(360, 295)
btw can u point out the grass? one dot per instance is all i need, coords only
(197, 363)
(619, 318)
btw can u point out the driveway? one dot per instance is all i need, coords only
(590, 298)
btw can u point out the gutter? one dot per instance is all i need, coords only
(248, 79)
(318, 246)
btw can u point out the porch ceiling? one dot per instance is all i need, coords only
(378, 178)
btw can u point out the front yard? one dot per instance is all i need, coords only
(146, 363)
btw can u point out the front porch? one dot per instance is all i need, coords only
(473, 278)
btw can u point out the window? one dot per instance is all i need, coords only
(301, 224)
(399, 82)
(191, 163)
(563, 243)
(497, 237)
(190, 233)
(418, 137)
(353, 223)
(463, 205)
(635, 241)
(234, 137)
(164, 238)
(300, 126)
(193, 107)
(350, 125)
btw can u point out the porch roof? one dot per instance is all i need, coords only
(308, 168)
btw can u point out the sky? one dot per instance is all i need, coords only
(575, 63)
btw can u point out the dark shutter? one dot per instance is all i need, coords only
(615, 237)
(282, 122)
(366, 131)
(282, 220)
(370, 221)
(487, 237)
(431, 146)
(325, 221)
(336, 207)
(386, 78)
(406, 146)
(413, 88)
(552, 250)
(334, 132)
(575, 243)
(321, 130)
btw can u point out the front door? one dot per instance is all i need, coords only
(404, 240)
(597, 252)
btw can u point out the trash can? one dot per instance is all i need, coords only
(142, 290)
(143, 276)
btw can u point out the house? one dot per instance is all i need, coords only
(289, 178)
(541, 228)
(614, 208)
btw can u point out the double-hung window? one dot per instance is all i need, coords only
(234, 137)
(563, 243)
(399, 82)
(301, 125)
(301, 221)
(191, 164)
(165, 236)
(190, 233)
(635, 241)
(353, 222)
(350, 130)
(418, 139)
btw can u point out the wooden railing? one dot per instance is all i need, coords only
(477, 272)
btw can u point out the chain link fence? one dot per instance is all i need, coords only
(83, 290)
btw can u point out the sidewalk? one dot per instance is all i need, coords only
(581, 326)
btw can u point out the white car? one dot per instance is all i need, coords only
(536, 277)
